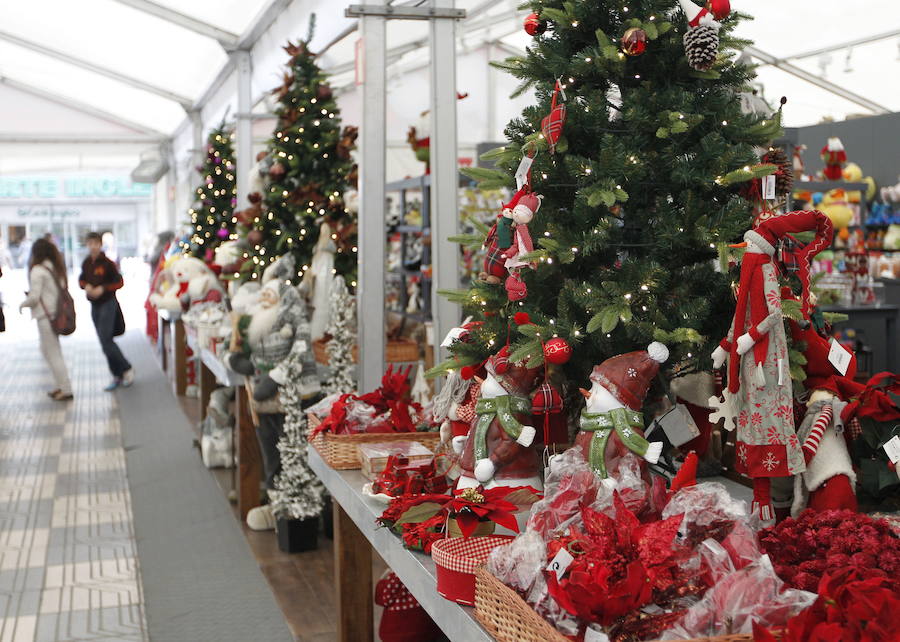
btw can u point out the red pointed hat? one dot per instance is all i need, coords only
(770, 230)
(628, 376)
(820, 373)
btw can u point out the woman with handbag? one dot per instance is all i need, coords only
(47, 281)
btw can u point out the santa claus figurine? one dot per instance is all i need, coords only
(835, 158)
(759, 396)
(498, 449)
(829, 480)
(611, 424)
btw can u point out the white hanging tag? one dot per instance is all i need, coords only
(781, 372)
(594, 634)
(768, 184)
(522, 171)
(839, 357)
(892, 448)
(560, 563)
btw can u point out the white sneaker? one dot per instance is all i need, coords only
(261, 518)
(128, 378)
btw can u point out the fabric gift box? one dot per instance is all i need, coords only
(373, 457)
(455, 561)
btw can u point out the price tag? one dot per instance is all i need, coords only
(768, 185)
(522, 171)
(892, 448)
(678, 425)
(560, 563)
(594, 634)
(839, 357)
(453, 335)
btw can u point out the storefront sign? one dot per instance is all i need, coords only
(43, 187)
(56, 213)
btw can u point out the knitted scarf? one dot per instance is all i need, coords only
(751, 291)
(502, 408)
(622, 420)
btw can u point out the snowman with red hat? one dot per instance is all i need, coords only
(759, 398)
(498, 448)
(611, 424)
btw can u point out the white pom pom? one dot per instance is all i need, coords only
(658, 352)
(654, 450)
(484, 470)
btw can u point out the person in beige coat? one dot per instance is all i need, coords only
(46, 279)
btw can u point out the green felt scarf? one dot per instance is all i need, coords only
(502, 408)
(622, 420)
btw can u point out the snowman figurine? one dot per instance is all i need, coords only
(611, 424)
(498, 448)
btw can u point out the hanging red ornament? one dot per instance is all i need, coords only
(515, 287)
(534, 26)
(467, 372)
(719, 8)
(254, 237)
(557, 350)
(552, 125)
(634, 41)
(521, 318)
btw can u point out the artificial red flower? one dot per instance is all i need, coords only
(803, 550)
(470, 506)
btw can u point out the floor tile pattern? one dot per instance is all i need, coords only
(68, 563)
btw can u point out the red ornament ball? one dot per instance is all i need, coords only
(534, 26)
(719, 8)
(557, 351)
(254, 237)
(634, 41)
(467, 372)
(521, 318)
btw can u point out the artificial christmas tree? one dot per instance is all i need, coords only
(308, 170)
(637, 200)
(212, 215)
(342, 328)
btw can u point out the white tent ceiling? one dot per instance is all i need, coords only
(136, 66)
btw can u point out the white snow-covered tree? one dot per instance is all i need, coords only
(342, 328)
(298, 493)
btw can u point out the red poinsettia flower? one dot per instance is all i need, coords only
(470, 506)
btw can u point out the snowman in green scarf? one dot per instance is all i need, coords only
(611, 424)
(499, 451)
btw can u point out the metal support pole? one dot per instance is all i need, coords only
(370, 288)
(244, 127)
(444, 176)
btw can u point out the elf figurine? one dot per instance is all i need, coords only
(498, 449)
(612, 424)
(759, 399)
(829, 480)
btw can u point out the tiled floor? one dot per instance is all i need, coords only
(68, 566)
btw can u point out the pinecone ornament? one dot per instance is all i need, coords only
(701, 46)
(784, 177)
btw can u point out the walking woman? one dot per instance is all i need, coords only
(46, 279)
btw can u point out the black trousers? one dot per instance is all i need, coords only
(270, 430)
(106, 318)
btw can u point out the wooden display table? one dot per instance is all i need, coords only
(172, 348)
(355, 535)
(247, 473)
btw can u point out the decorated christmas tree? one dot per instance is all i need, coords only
(212, 215)
(638, 150)
(298, 493)
(308, 170)
(342, 328)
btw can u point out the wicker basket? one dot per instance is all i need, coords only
(396, 351)
(341, 452)
(508, 618)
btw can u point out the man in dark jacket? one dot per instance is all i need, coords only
(100, 278)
